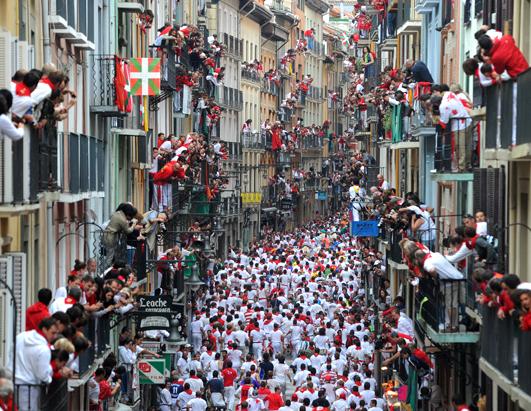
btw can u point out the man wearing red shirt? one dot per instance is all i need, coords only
(504, 54)
(274, 400)
(39, 311)
(229, 374)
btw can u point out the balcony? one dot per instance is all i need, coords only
(283, 13)
(316, 48)
(233, 46)
(103, 93)
(456, 148)
(255, 11)
(507, 118)
(42, 397)
(505, 351)
(310, 142)
(28, 166)
(251, 76)
(230, 98)
(425, 6)
(230, 206)
(73, 23)
(441, 312)
(269, 87)
(275, 32)
(256, 140)
(319, 6)
(315, 93)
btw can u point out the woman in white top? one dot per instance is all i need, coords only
(7, 128)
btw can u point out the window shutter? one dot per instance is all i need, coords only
(480, 189)
(5, 59)
(501, 222)
(6, 311)
(19, 284)
(6, 171)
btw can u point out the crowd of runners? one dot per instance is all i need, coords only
(292, 325)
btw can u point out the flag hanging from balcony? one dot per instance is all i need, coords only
(145, 76)
(123, 99)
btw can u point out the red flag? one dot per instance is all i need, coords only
(119, 84)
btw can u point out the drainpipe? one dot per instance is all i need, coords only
(47, 56)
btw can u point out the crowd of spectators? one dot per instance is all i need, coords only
(36, 98)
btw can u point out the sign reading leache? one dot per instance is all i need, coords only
(155, 312)
(158, 305)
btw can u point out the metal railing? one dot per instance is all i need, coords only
(103, 73)
(251, 75)
(269, 87)
(97, 331)
(506, 347)
(441, 303)
(456, 146)
(52, 397)
(255, 139)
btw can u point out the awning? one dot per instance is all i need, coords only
(133, 132)
(269, 210)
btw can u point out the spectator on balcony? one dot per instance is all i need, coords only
(33, 359)
(64, 303)
(436, 265)
(247, 127)
(13, 131)
(503, 54)
(48, 86)
(525, 306)
(22, 100)
(122, 222)
(419, 71)
(38, 311)
(452, 111)
(509, 284)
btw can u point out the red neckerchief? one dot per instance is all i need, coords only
(22, 90)
(471, 244)
(39, 331)
(428, 255)
(70, 300)
(47, 81)
(188, 391)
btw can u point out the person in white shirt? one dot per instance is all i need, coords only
(437, 265)
(197, 403)
(340, 404)
(373, 405)
(367, 394)
(196, 383)
(196, 329)
(165, 397)
(7, 128)
(453, 113)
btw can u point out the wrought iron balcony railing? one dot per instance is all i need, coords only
(103, 93)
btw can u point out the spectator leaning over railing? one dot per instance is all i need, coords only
(122, 222)
(33, 360)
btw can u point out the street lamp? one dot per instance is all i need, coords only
(194, 282)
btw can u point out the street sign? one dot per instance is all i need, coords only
(154, 312)
(367, 228)
(151, 371)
